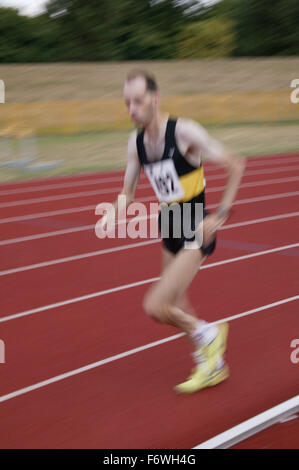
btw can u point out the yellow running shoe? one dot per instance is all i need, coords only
(199, 380)
(209, 353)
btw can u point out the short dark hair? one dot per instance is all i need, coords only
(150, 80)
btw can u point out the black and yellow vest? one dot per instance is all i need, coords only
(173, 179)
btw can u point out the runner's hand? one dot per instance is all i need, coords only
(211, 224)
(105, 225)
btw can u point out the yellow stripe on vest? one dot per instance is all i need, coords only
(192, 183)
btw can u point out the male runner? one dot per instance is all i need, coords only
(170, 151)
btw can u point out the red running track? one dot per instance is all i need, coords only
(128, 402)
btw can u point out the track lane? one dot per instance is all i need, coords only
(68, 244)
(265, 186)
(130, 403)
(73, 221)
(78, 343)
(282, 159)
(72, 335)
(101, 272)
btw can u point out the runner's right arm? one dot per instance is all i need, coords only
(133, 169)
(131, 179)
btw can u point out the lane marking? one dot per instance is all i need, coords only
(258, 183)
(259, 172)
(77, 257)
(83, 228)
(252, 426)
(89, 182)
(40, 215)
(130, 352)
(128, 246)
(23, 202)
(104, 179)
(135, 284)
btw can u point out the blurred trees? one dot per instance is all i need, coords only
(93, 30)
(262, 27)
(213, 37)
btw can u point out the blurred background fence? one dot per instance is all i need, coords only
(73, 117)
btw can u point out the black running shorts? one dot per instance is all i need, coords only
(174, 243)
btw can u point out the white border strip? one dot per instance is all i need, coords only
(102, 362)
(252, 426)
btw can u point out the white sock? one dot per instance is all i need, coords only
(204, 333)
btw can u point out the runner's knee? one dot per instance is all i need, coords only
(155, 309)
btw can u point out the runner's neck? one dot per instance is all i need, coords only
(156, 129)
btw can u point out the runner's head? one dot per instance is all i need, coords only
(141, 96)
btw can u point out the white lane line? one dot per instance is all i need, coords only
(40, 215)
(76, 299)
(61, 178)
(259, 221)
(11, 241)
(257, 183)
(137, 284)
(91, 254)
(251, 426)
(130, 352)
(279, 157)
(281, 161)
(23, 202)
(251, 255)
(101, 180)
(258, 160)
(89, 182)
(208, 190)
(258, 172)
(249, 200)
(210, 169)
(67, 259)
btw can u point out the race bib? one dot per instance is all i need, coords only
(164, 180)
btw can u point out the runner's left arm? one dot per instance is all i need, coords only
(197, 141)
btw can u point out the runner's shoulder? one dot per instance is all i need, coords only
(185, 128)
(132, 139)
(133, 135)
(132, 144)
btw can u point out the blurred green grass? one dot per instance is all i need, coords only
(96, 152)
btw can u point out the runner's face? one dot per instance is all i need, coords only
(140, 102)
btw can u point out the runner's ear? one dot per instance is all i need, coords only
(157, 98)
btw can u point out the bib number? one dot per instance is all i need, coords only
(164, 180)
